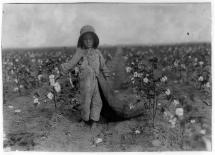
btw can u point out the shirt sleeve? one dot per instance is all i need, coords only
(75, 59)
(103, 66)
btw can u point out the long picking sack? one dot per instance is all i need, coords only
(120, 105)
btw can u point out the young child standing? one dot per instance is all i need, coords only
(91, 64)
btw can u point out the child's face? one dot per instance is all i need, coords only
(88, 40)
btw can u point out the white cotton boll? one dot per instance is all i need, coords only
(207, 85)
(176, 63)
(164, 79)
(36, 100)
(131, 106)
(196, 59)
(179, 112)
(15, 80)
(203, 131)
(15, 89)
(201, 78)
(137, 132)
(193, 121)
(201, 63)
(21, 86)
(135, 74)
(98, 140)
(52, 80)
(39, 77)
(146, 80)
(17, 111)
(10, 107)
(50, 95)
(128, 69)
(57, 87)
(17, 60)
(167, 92)
(175, 102)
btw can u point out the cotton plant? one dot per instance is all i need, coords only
(149, 83)
(59, 90)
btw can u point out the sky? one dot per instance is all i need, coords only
(43, 25)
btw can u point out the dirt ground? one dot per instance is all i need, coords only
(42, 129)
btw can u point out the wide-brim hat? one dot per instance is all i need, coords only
(88, 29)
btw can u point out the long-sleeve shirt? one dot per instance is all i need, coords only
(91, 57)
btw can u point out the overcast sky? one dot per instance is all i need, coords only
(38, 25)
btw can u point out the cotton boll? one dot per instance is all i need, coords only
(128, 69)
(179, 112)
(167, 92)
(57, 87)
(16, 80)
(50, 95)
(40, 77)
(145, 80)
(52, 80)
(131, 106)
(207, 85)
(201, 63)
(137, 132)
(193, 121)
(17, 111)
(175, 102)
(98, 140)
(201, 78)
(15, 89)
(36, 100)
(135, 74)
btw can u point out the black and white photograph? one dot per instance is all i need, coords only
(106, 76)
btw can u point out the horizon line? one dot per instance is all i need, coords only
(109, 45)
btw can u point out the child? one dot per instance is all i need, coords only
(91, 64)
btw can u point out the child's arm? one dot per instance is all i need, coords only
(104, 68)
(75, 59)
